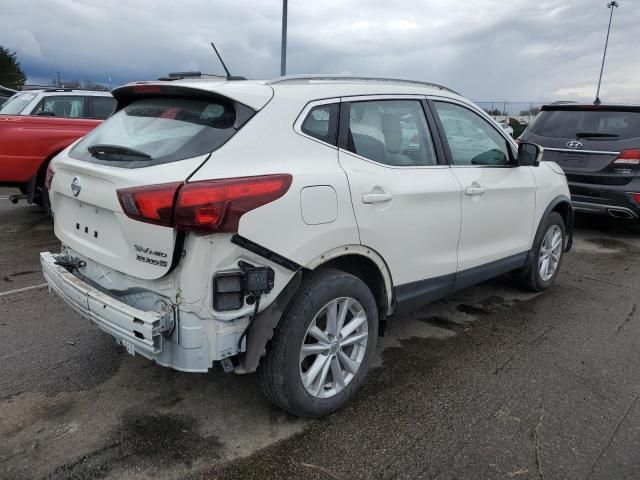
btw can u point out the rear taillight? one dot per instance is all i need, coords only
(636, 197)
(628, 157)
(217, 205)
(151, 204)
(207, 206)
(48, 178)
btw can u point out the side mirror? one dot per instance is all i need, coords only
(529, 154)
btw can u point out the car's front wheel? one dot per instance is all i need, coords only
(548, 251)
(323, 346)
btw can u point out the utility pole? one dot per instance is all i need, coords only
(283, 52)
(611, 6)
(59, 83)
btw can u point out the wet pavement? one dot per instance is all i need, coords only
(492, 383)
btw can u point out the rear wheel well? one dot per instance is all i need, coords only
(367, 271)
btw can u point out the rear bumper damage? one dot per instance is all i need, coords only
(153, 334)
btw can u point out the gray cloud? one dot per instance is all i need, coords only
(487, 49)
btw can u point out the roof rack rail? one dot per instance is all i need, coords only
(289, 78)
(63, 89)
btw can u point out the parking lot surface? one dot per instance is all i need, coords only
(492, 383)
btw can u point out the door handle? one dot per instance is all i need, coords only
(376, 197)
(474, 190)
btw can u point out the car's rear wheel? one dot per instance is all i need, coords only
(548, 252)
(323, 346)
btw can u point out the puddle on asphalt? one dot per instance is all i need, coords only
(447, 318)
(605, 246)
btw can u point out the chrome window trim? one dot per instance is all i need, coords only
(570, 150)
(393, 167)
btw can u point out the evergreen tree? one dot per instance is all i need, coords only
(11, 75)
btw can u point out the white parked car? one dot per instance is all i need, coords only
(279, 225)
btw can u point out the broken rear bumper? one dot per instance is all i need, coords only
(139, 331)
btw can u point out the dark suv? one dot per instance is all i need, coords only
(598, 147)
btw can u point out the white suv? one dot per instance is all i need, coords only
(278, 225)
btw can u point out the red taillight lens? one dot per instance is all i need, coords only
(151, 204)
(636, 197)
(217, 205)
(147, 89)
(207, 206)
(48, 178)
(628, 157)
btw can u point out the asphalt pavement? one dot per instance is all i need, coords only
(492, 383)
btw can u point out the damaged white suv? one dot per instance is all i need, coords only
(277, 226)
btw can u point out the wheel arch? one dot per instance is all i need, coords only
(366, 264)
(561, 204)
(361, 261)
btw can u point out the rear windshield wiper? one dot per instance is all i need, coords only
(105, 150)
(595, 135)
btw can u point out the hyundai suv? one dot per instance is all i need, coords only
(278, 225)
(598, 146)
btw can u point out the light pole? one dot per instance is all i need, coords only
(611, 6)
(283, 51)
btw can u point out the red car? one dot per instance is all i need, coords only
(36, 125)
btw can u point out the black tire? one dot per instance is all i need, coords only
(530, 278)
(279, 371)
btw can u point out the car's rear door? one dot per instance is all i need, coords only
(406, 200)
(498, 197)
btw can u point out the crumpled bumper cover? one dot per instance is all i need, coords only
(139, 331)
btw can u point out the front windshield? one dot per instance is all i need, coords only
(16, 104)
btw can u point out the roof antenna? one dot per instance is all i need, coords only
(229, 76)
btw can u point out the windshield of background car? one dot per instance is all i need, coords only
(603, 124)
(162, 130)
(16, 104)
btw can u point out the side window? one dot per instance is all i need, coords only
(472, 140)
(62, 106)
(102, 107)
(322, 123)
(392, 132)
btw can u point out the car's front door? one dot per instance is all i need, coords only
(406, 201)
(498, 200)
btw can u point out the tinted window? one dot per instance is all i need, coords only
(102, 106)
(472, 139)
(587, 124)
(16, 104)
(322, 123)
(392, 132)
(162, 130)
(62, 106)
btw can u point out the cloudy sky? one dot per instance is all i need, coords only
(489, 50)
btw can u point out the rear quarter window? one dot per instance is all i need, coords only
(322, 123)
(153, 131)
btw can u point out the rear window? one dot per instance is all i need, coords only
(102, 107)
(16, 104)
(593, 124)
(153, 131)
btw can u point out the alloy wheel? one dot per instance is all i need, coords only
(550, 253)
(334, 347)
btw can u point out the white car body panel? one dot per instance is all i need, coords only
(499, 222)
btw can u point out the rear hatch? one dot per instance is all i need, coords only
(160, 135)
(594, 144)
